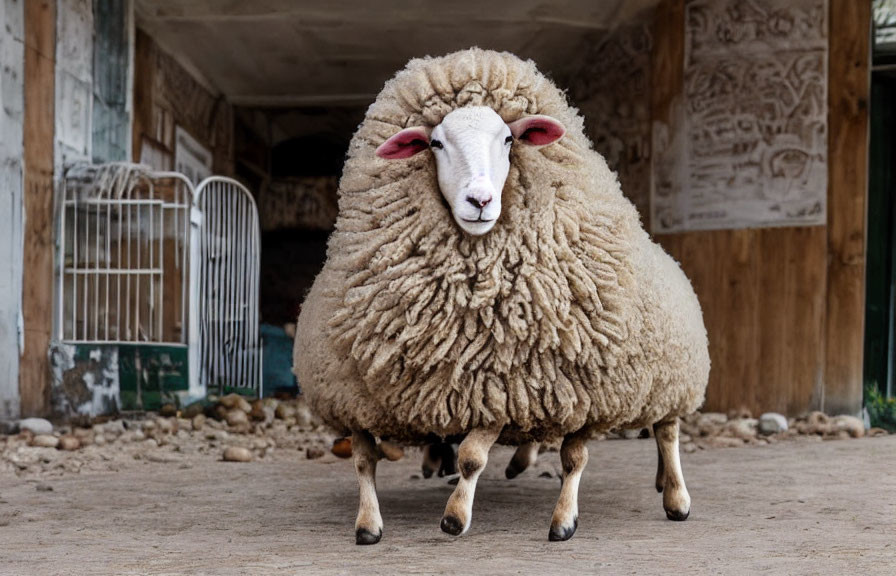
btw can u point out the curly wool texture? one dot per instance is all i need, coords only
(566, 315)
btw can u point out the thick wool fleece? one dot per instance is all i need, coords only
(566, 315)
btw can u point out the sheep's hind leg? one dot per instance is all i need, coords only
(369, 525)
(660, 482)
(525, 456)
(573, 457)
(676, 500)
(472, 456)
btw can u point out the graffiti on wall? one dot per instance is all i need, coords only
(749, 148)
(613, 92)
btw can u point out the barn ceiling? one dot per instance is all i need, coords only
(324, 52)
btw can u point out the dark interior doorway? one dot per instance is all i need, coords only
(880, 295)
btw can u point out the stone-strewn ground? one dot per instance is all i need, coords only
(168, 504)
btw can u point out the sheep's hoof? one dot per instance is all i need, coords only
(364, 537)
(677, 515)
(451, 525)
(512, 471)
(561, 534)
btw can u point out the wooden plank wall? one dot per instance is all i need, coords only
(767, 293)
(37, 296)
(165, 96)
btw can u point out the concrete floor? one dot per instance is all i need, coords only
(796, 507)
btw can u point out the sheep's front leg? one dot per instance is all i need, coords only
(369, 525)
(472, 456)
(676, 500)
(525, 456)
(573, 457)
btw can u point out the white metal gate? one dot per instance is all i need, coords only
(227, 257)
(123, 251)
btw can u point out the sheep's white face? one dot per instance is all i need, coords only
(472, 151)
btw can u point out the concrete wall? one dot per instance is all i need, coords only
(12, 76)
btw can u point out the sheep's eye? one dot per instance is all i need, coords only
(508, 140)
(436, 144)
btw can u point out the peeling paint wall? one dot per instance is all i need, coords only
(74, 81)
(12, 74)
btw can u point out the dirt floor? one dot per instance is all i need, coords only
(803, 506)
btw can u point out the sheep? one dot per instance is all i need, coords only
(487, 280)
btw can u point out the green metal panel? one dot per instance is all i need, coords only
(150, 375)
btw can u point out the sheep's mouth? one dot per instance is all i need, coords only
(478, 220)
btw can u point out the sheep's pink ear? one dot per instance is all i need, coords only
(537, 130)
(404, 144)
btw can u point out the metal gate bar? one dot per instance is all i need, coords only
(229, 247)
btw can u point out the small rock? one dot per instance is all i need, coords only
(342, 447)
(689, 447)
(257, 413)
(45, 441)
(193, 409)
(235, 401)
(391, 452)
(631, 434)
(99, 440)
(36, 425)
(237, 454)
(284, 411)
(415, 476)
(198, 421)
(237, 417)
(744, 429)
(707, 419)
(168, 410)
(684, 438)
(41, 487)
(850, 424)
(165, 425)
(545, 475)
(68, 443)
(313, 453)
(149, 425)
(772, 423)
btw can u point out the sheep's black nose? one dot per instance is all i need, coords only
(479, 203)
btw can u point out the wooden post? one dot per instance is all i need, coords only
(37, 297)
(848, 95)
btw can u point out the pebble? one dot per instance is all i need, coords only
(45, 441)
(198, 421)
(313, 453)
(849, 424)
(237, 417)
(342, 447)
(237, 454)
(235, 401)
(284, 411)
(68, 443)
(392, 452)
(772, 423)
(42, 487)
(99, 440)
(744, 429)
(36, 425)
